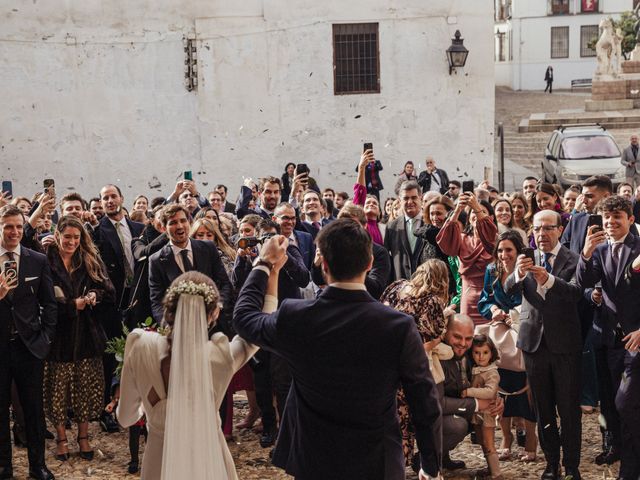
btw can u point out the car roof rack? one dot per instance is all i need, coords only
(579, 125)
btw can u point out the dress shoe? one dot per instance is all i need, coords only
(6, 473)
(86, 454)
(268, 438)
(19, 436)
(108, 423)
(41, 473)
(572, 473)
(133, 467)
(551, 472)
(450, 464)
(609, 457)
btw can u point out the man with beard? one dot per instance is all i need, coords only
(113, 235)
(268, 194)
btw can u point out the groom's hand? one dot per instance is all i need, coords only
(274, 249)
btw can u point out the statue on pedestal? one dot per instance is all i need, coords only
(607, 50)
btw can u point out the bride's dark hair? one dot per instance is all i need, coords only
(170, 302)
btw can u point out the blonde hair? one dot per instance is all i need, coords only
(431, 277)
(218, 238)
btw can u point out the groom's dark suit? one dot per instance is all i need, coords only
(348, 354)
(28, 319)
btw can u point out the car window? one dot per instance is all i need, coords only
(588, 147)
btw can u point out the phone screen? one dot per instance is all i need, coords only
(7, 187)
(10, 269)
(596, 220)
(367, 146)
(467, 186)
(188, 175)
(48, 183)
(528, 252)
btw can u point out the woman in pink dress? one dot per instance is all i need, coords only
(473, 245)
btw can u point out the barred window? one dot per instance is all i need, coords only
(559, 42)
(356, 59)
(587, 33)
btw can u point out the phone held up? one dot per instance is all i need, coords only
(467, 186)
(188, 175)
(10, 270)
(367, 146)
(595, 219)
(528, 252)
(7, 188)
(48, 185)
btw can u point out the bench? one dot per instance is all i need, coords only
(581, 83)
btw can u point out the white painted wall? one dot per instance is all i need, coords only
(93, 92)
(531, 30)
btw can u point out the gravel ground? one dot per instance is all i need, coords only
(252, 462)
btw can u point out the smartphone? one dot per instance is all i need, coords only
(188, 175)
(48, 183)
(467, 186)
(302, 168)
(367, 146)
(10, 269)
(529, 253)
(594, 219)
(7, 187)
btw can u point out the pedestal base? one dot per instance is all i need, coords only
(614, 89)
(608, 105)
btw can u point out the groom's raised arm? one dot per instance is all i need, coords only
(249, 320)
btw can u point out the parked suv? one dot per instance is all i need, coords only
(576, 152)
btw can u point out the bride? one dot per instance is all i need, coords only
(179, 382)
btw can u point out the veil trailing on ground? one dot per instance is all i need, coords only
(191, 439)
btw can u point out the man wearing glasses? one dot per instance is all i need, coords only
(453, 192)
(551, 341)
(285, 216)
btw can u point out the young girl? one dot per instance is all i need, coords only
(484, 385)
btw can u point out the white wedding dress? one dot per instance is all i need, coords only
(194, 446)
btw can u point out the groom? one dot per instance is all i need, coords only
(348, 354)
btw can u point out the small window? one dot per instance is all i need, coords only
(559, 7)
(589, 6)
(356, 59)
(587, 33)
(559, 42)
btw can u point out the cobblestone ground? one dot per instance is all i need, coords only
(252, 462)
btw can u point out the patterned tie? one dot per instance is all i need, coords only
(615, 255)
(546, 258)
(410, 236)
(186, 263)
(11, 257)
(127, 267)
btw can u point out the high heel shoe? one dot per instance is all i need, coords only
(63, 457)
(88, 455)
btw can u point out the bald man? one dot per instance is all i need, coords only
(457, 412)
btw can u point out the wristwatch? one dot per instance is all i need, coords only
(261, 262)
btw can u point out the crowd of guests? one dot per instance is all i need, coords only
(524, 302)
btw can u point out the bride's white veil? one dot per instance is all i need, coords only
(191, 441)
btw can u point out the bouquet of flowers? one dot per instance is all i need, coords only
(116, 345)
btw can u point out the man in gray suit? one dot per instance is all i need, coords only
(551, 341)
(399, 237)
(630, 160)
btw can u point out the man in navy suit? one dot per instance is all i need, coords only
(28, 315)
(285, 216)
(607, 258)
(180, 255)
(348, 355)
(113, 236)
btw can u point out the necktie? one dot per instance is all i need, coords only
(546, 258)
(410, 236)
(615, 255)
(128, 272)
(186, 263)
(316, 225)
(11, 257)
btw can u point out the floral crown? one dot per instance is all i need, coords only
(189, 287)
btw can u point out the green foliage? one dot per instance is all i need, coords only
(116, 345)
(626, 24)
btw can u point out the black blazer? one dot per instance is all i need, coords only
(403, 261)
(556, 315)
(620, 294)
(32, 306)
(424, 180)
(106, 239)
(229, 207)
(453, 385)
(163, 270)
(347, 354)
(143, 247)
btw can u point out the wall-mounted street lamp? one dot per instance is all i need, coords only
(457, 53)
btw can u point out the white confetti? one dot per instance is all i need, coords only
(241, 127)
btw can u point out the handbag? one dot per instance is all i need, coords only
(505, 338)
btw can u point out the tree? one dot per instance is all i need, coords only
(626, 24)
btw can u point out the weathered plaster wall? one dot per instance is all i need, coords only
(93, 92)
